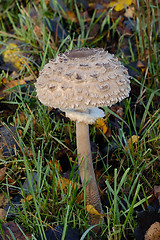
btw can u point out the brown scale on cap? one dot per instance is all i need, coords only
(83, 78)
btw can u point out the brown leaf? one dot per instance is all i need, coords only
(131, 141)
(80, 198)
(71, 16)
(140, 64)
(118, 110)
(64, 183)
(29, 197)
(2, 173)
(15, 230)
(8, 85)
(14, 83)
(3, 200)
(3, 214)
(58, 166)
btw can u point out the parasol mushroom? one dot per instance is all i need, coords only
(78, 82)
(153, 233)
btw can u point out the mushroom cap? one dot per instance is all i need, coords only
(153, 233)
(83, 78)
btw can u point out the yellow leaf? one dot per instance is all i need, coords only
(131, 141)
(9, 85)
(92, 210)
(120, 4)
(13, 55)
(65, 183)
(14, 83)
(112, 3)
(71, 16)
(102, 124)
(2, 173)
(29, 197)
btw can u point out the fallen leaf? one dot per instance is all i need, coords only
(64, 183)
(61, 5)
(3, 200)
(29, 197)
(90, 209)
(1, 153)
(13, 55)
(71, 16)
(120, 4)
(2, 173)
(102, 124)
(131, 141)
(118, 110)
(10, 84)
(80, 198)
(3, 214)
(57, 165)
(135, 69)
(14, 83)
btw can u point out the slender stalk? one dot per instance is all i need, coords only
(84, 153)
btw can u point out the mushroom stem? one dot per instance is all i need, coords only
(84, 153)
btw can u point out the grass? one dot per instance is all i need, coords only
(46, 140)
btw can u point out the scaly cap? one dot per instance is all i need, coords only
(83, 78)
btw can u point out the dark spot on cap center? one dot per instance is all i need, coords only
(80, 53)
